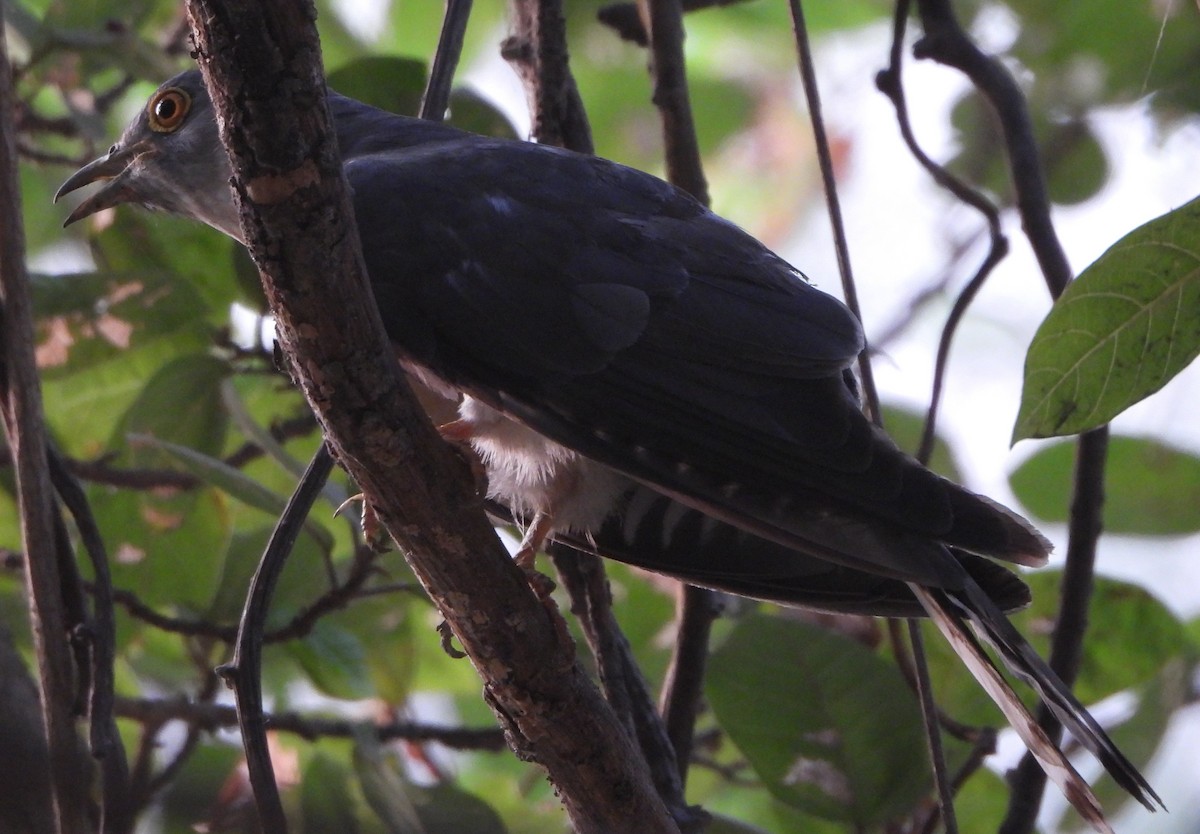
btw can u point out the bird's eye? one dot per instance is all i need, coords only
(167, 109)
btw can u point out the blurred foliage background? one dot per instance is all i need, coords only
(189, 440)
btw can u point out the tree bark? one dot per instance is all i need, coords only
(263, 58)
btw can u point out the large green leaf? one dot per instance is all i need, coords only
(1131, 636)
(232, 481)
(141, 243)
(335, 661)
(326, 801)
(179, 405)
(90, 318)
(168, 548)
(390, 82)
(828, 725)
(1121, 331)
(1080, 53)
(404, 807)
(1151, 489)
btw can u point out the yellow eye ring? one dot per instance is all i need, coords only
(167, 109)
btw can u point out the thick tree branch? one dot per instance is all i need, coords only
(287, 178)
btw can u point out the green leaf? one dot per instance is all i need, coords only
(389, 82)
(1120, 332)
(326, 801)
(405, 808)
(1131, 635)
(829, 726)
(296, 588)
(89, 318)
(981, 803)
(141, 244)
(334, 660)
(168, 548)
(232, 481)
(1151, 489)
(181, 406)
(195, 788)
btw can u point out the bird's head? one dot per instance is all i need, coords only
(169, 157)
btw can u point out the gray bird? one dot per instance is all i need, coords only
(643, 379)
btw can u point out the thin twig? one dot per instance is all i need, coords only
(906, 664)
(210, 717)
(336, 598)
(933, 732)
(244, 673)
(537, 49)
(696, 610)
(626, 21)
(946, 42)
(890, 83)
(1028, 780)
(812, 94)
(984, 746)
(117, 810)
(436, 99)
(668, 72)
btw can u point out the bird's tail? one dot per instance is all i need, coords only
(951, 611)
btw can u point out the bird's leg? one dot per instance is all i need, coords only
(535, 537)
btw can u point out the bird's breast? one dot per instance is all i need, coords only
(531, 474)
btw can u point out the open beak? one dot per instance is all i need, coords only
(116, 169)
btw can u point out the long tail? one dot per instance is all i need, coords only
(951, 611)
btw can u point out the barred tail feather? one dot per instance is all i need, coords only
(950, 611)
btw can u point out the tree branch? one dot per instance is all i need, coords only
(25, 429)
(537, 49)
(211, 717)
(436, 99)
(946, 42)
(288, 177)
(668, 70)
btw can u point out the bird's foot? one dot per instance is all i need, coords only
(373, 530)
(457, 431)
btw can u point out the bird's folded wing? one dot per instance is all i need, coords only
(617, 316)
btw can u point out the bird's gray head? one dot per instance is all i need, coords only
(169, 157)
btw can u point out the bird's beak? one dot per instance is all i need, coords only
(116, 168)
